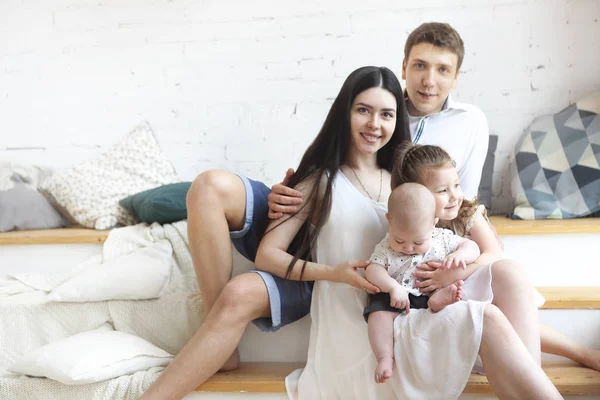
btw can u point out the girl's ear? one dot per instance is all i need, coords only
(435, 221)
(387, 216)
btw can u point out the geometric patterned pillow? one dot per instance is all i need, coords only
(555, 171)
(89, 193)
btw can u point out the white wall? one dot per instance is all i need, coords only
(245, 85)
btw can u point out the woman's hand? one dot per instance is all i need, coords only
(282, 199)
(348, 273)
(430, 276)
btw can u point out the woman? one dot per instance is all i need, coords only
(344, 177)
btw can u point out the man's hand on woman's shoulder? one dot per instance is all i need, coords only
(283, 199)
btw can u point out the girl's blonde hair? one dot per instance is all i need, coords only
(415, 163)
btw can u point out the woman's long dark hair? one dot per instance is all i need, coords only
(330, 150)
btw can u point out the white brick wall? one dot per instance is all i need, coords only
(245, 85)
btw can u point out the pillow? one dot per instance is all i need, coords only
(21, 205)
(89, 192)
(555, 171)
(92, 356)
(163, 204)
(143, 274)
(22, 208)
(487, 174)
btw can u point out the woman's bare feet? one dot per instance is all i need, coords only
(233, 362)
(446, 296)
(590, 358)
(384, 369)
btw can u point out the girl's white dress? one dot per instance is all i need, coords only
(434, 353)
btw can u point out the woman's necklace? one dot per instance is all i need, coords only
(365, 189)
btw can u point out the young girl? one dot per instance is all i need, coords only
(434, 168)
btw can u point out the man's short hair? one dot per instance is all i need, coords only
(438, 34)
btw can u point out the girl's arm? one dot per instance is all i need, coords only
(431, 277)
(482, 234)
(272, 255)
(466, 252)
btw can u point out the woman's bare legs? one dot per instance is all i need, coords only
(554, 342)
(243, 299)
(216, 204)
(509, 367)
(514, 296)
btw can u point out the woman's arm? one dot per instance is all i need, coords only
(272, 255)
(378, 275)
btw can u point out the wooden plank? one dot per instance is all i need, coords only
(570, 297)
(54, 236)
(507, 226)
(568, 377)
(265, 377)
(504, 226)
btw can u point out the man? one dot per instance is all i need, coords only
(222, 205)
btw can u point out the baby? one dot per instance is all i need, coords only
(412, 240)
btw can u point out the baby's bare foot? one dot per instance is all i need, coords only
(446, 296)
(232, 363)
(384, 369)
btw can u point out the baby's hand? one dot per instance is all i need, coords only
(399, 298)
(454, 260)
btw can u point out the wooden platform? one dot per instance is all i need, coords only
(504, 226)
(54, 236)
(565, 297)
(569, 378)
(507, 226)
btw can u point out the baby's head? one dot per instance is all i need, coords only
(432, 167)
(411, 216)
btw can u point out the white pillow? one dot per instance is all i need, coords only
(89, 193)
(143, 274)
(92, 356)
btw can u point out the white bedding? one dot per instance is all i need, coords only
(29, 320)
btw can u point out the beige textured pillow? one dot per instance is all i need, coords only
(89, 193)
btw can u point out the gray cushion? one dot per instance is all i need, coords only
(485, 185)
(555, 172)
(22, 207)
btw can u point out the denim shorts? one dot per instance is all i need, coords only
(290, 300)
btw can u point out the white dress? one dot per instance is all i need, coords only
(434, 353)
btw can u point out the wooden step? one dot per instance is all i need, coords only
(504, 226)
(54, 236)
(507, 226)
(566, 297)
(568, 377)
